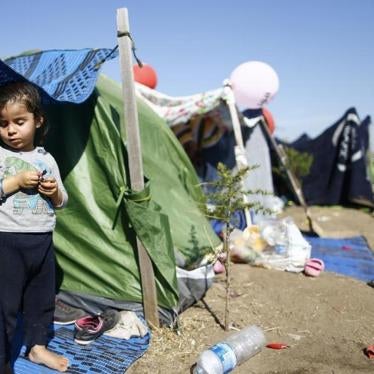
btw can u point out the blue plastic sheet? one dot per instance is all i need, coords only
(350, 256)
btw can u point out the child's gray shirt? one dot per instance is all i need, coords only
(26, 210)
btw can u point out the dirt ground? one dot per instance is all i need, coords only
(326, 321)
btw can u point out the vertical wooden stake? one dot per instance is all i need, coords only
(230, 102)
(131, 127)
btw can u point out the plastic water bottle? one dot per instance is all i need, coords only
(223, 357)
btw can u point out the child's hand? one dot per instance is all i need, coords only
(28, 179)
(48, 187)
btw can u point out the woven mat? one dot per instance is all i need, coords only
(105, 355)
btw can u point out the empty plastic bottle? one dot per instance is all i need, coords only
(223, 357)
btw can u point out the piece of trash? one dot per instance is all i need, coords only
(277, 345)
(369, 351)
(225, 355)
(346, 247)
(288, 250)
(295, 337)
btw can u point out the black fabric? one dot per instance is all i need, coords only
(364, 132)
(338, 174)
(3, 350)
(27, 279)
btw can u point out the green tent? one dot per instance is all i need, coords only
(95, 233)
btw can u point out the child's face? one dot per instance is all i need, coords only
(18, 126)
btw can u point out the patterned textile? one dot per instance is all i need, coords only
(62, 75)
(200, 119)
(176, 110)
(105, 355)
(205, 131)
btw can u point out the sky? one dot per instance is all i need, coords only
(321, 50)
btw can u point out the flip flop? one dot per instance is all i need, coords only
(369, 351)
(313, 267)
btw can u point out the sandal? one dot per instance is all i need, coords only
(313, 267)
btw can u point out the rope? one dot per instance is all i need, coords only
(133, 48)
(98, 64)
(136, 196)
(120, 34)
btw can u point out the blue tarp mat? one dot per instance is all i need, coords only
(350, 256)
(105, 355)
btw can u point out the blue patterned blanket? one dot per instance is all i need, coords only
(62, 75)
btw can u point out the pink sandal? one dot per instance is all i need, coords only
(313, 267)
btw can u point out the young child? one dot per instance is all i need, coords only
(30, 191)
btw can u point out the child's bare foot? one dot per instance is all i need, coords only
(41, 355)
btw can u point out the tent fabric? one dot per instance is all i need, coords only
(258, 153)
(364, 130)
(338, 174)
(97, 259)
(62, 75)
(194, 284)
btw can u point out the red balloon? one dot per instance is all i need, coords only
(269, 119)
(145, 75)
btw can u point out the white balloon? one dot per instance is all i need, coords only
(254, 84)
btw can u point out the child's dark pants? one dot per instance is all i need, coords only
(27, 285)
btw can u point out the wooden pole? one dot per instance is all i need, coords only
(130, 126)
(230, 102)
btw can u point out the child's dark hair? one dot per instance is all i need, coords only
(27, 94)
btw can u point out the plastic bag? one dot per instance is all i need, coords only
(246, 246)
(287, 250)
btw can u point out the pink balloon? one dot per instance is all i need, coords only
(254, 84)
